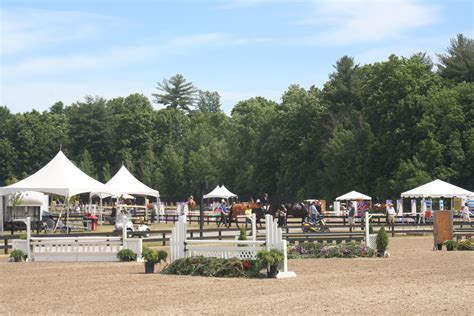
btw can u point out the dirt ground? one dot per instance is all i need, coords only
(415, 280)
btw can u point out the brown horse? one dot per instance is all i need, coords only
(239, 209)
(191, 204)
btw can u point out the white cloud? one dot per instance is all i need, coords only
(24, 29)
(357, 21)
(120, 56)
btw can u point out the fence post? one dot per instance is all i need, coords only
(393, 229)
(220, 234)
(5, 249)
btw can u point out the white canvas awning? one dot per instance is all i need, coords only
(123, 182)
(59, 176)
(219, 192)
(353, 196)
(227, 192)
(436, 189)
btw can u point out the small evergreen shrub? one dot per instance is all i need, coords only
(382, 240)
(243, 234)
(126, 255)
(18, 255)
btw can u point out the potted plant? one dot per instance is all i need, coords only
(382, 242)
(270, 259)
(450, 245)
(126, 255)
(242, 236)
(18, 255)
(152, 257)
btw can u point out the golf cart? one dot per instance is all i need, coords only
(124, 221)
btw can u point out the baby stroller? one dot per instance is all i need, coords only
(319, 226)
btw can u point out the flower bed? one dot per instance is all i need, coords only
(214, 267)
(309, 250)
(467, 244)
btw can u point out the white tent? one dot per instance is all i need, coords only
(123, 183)
(219, 192)
(227, 192)
(59, 176)
(215, 193)
(353, 196)
(437, 189)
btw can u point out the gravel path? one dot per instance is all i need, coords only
(414, 280)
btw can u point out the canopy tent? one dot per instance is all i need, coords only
(353, 196)
(227, 192)
(219, 192)
(437, 189)
(59, 176)
(124, 183)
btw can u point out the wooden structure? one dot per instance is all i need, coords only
(442, 227)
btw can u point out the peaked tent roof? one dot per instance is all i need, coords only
(123, 182)
(215, 193)
(226, 191)
(437, 188)
(353, 195)
(59, 176)
(219, 192)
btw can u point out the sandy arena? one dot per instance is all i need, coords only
(414, 280)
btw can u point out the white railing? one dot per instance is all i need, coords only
(76, 248)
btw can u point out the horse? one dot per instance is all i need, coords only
(191, 204)
(297, 210)
(239, 209)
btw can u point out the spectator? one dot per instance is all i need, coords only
(313, 212)
(390, 215)
(466, 214)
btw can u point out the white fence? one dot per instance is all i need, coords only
(181, 247)
(75, 248)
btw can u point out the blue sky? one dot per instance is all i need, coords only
(62, 50)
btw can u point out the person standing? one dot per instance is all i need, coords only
(466, 214)
(350, 215)
(313, 212)
(390, 215)
(282, 215)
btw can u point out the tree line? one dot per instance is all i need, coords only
(379, 128)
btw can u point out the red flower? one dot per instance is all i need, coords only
(246, 264)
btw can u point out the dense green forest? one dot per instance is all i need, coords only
(380, 129)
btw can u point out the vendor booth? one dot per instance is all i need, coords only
(361, 202)
(59, 176)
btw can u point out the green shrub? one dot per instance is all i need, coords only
(18, 255)
(213, 267)
(382, 240)
(126, 255)
(467, 244)
(243, 234)
(270, 257)
(152, 255)
(451, 244)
